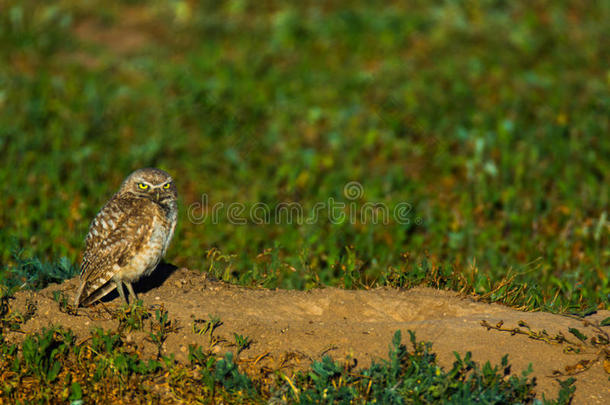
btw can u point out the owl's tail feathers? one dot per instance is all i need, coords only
(86, 295)
(79, 293)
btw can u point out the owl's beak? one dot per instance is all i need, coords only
(157, 195)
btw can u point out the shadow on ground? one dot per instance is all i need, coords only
(155, 280)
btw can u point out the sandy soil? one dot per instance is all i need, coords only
(290, 329)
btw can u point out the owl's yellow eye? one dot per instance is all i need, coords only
(166, 186)
(142, 186)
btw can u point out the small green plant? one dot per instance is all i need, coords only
(228, 374)
(208, 327)
(102, 344)
(111, 356)
(221, 265)
(76, 394)
(132, 316)
(198, 357)
(205, 363)
(104, 341)
(223, 372)
(64, 304)
(565, 395)
(160, 329)
(241, 342)
(43, 354)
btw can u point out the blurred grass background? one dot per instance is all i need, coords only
(490, 118)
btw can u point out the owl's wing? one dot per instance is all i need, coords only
(117, 233)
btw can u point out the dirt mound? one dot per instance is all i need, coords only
(292, 328)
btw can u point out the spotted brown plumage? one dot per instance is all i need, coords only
(129, 236)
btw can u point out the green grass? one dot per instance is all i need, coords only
(489, 118)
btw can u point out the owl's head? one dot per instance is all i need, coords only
(154, 184)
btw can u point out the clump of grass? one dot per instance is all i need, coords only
(241, 342)
(209, 326)
(65, 305)
(160, 328)
(132, 316)
(411, 377)
(112, 356)
(34, 273)
(44, 353)
(227, 373)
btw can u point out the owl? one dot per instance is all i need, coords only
(129, 236)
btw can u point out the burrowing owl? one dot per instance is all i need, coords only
(129, 236)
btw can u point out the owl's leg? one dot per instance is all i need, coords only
(119, 288)
(132, 293)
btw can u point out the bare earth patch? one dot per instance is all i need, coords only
(289, 329)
